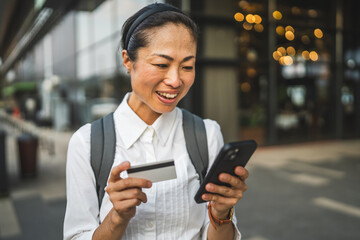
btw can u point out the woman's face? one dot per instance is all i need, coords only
(163, 71)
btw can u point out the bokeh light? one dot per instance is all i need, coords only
(247, 26)
(243, 4)
(290, 51)
(313, 56)
(288, 60)
(239, 17)
(318, 33)
(277, 15)
(280, 30)
(289, 28)
(289, 35)
(305, 39)
(276, 55)
(313, 13)
(282, 51)
(250, 18)
(259, 27)
(258, 19)
(295, 10)
(305, 54)
(251, 72)
(245, 87)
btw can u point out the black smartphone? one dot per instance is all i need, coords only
(230, 156)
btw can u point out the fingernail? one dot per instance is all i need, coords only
(224, 177)
(210, 187)
(205, 197)
(149, 184)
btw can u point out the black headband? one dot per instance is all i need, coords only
(155, 8)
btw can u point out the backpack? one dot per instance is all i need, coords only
(103, 141)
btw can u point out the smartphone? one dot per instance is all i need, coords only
(230, 156)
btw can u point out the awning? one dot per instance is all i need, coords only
(19, 87)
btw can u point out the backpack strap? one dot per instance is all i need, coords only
(103, 142)
(196, 142)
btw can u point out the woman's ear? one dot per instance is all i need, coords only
(127, 62)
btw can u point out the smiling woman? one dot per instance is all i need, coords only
(164, 72)
(159, 45)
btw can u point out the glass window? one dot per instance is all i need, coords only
(84, 34)
(105, 56)
(304, 56)
(350, 91)
(103, 20)
(126, 8)
(85, 65)
(252, 40)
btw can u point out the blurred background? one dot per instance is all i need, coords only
(283, 72)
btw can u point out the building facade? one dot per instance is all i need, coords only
(273, 70)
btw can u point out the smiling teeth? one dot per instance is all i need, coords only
(168, 95)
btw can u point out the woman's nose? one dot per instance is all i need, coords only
(173, 78)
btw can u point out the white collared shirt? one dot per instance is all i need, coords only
(171, 211)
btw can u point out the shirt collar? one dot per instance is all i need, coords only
(129, 126)
(164, 125)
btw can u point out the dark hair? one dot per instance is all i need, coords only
(140, 37)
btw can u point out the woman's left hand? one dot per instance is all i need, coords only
(223, 198)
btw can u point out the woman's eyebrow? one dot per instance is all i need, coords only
(172, 59)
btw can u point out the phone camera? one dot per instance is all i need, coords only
(232, 154)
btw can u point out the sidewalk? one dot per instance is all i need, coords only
(303, 191)
(299, 191)
(36, 206)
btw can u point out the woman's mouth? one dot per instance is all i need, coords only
(168, 96)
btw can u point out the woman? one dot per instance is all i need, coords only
(159, 51)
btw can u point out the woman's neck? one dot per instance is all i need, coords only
(144, 112)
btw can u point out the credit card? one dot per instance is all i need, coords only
(154, 172)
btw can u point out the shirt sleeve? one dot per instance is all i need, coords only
(215, 142)
(82, 210)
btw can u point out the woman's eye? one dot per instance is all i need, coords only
(161, 65)
(189, 68)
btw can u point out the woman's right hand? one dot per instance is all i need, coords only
(125, 194)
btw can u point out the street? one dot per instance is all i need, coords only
(298, 191)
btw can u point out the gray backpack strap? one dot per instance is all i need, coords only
(196, 142)
(103, 142)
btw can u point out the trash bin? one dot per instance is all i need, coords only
(4, 187)
(28, 145)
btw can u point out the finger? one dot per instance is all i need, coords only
(126, 205)
(234, 181)
(243, 173)
(227, 191)
(220, 201)
(132, 183)
(115, 172)
(133, 193)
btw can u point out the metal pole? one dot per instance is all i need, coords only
(4, 188)
(272, 82)
(339, 72)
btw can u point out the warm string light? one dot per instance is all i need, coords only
(282, 55)
(277, 15)
(252, 21)
(286, 56)
(239, 17)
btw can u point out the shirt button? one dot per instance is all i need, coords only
(149, 224)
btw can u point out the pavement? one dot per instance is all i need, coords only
(36, 205)
(297, 191)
